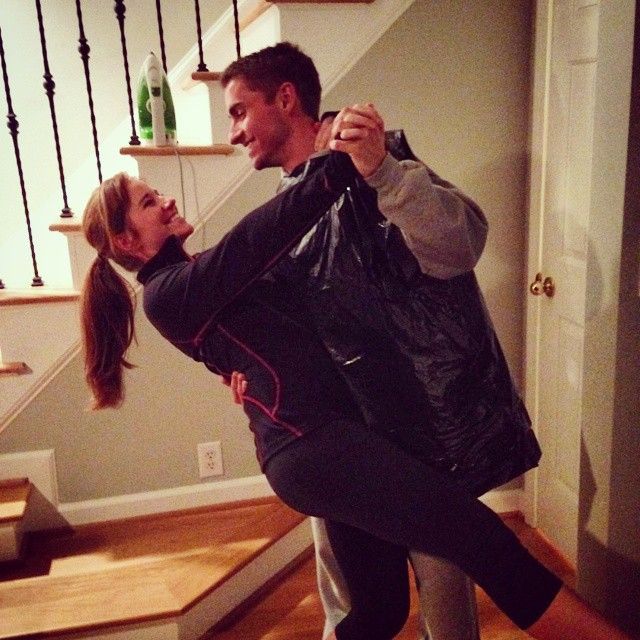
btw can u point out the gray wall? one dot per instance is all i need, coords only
(455, 76)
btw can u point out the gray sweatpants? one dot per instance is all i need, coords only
(447, 596)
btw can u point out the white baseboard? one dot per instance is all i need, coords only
(201, 495)
(175, 499)
(504, 501)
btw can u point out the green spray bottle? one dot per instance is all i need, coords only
(156, 114)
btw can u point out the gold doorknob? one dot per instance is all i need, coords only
(540, 286)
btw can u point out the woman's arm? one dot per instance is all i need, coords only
(183, 299)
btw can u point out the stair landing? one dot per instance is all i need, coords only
(169, 576)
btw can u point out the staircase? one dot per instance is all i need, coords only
(208, 174)
(166, 577)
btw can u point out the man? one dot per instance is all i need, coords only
(387, 278)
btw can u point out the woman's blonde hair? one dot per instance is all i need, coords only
(107, 304)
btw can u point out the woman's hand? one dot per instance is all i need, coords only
(323, 136)
(238, 385)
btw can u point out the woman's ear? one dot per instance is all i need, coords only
(127, 242)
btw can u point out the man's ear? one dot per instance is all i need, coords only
(287, 97)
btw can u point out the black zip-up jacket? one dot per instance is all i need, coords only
(218, 309)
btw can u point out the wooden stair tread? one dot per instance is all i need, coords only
(66, 225)
(206, 76)
(35, 295)
(178, 149)
(167, 562)
(14, 368)
(14, 495)
(321, 1)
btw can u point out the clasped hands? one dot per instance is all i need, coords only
(357, 130)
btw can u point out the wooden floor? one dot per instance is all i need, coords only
(140, 569)
(292, 610)
(167, 561)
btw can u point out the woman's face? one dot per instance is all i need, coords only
(151, 218)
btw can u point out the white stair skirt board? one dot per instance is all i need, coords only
(195, 621)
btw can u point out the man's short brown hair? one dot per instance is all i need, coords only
(266, 70)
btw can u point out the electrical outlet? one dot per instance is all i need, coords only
(210, 459)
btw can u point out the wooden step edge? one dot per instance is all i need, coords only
(322, 1)
(36, 295)
(206, 76)
(66, 225)
(198, 77)
(14, 496)
(243, 22)
(14, 368)
(178, 150)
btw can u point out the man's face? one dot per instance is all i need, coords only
(262, 127)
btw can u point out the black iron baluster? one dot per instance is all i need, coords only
(201, 66)
(120, 10)
(161, 34)
(13, 128)
(84, 50)
(49, 87)
(236, 24)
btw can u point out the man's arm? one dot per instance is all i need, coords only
(444, 228)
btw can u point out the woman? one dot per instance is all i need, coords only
(222, 308)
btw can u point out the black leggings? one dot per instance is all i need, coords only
(347, 474)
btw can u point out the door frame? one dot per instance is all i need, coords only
(538, 145)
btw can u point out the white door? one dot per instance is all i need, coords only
(566, 181)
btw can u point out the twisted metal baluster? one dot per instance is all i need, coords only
(201, 66)
(13, 129)
(236, 24)
(161, 34)
(49, 86)
(84, 50)
(120, 10)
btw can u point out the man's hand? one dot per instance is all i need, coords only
(238, 385)
(359, 131)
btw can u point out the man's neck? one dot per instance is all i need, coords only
(300, 146)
